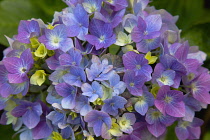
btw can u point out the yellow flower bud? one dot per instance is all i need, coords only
(155, 89)
(57, 136)
(34, 42)
(73, 115)
(41, 51)
(151, 59)
(38, 78)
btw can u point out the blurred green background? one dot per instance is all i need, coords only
(194, 21)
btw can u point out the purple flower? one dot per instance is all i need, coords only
(77, 22)
(99, 70)
(59, 74)
(96, 119)
(114, 18)
(53, 61)
(27, 30)
(170, 102)
(19, 67)
(146, 45)
(134, 83)
(7, 88)
(69, 94)
(101, 34)
(42, 130)
(112, 105)
(71, 58)
(82, 105)
(75, 77)
(126, 121)
(137, 63)
(189, 130)
(191, 105)
(142, 103)
(199, 88)
(57, 39)
(157, 122)
(169, 62)
(30, 113)
(117, 4)
(83, 50)
(162, 76)
(147, 29)
(93, 91)
(117, 86)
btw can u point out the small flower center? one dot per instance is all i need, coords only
(185, 124)
(168, 99)
(138, 67)
(102, 38)
(194, 87)
(73, 63)
(23, 70)
(131, 84)
(156, 115)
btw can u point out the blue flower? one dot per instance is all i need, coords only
(57, 39)
(30, 113)
(92, 92)
(101, 34)
(77, 22)
(112, 105)
(96, 119)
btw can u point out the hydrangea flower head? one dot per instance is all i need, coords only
(103, 69)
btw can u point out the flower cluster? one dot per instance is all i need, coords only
(59, 80)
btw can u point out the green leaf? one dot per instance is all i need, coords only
(12, 11)
(171, 135)
(113, 49)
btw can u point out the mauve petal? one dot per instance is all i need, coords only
(202, 96)
(197, 122)
(152, 35)
(131, 117)
(67, 45)
(141, 107)
(162, 92)
(64, 89)
(141, 24)
(19, 110)
(69, 101)
(154, 23)
(73, 30)
(97, 128)
(27, 59)
(26, 135)
(157, 129)
(181, 133)
(42, 130)
(176, 109)
(86, 88)
(17, 78)
(31, 119)
(127, 60)
(12, 64)
(194, 132)
(85, 109)
(136, 34)
(23, 37)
